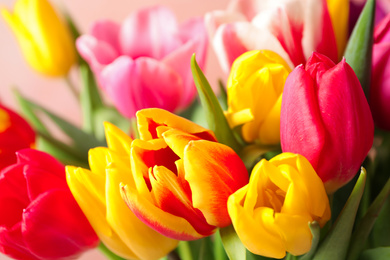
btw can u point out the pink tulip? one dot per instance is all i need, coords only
(380, 77)
(291, 28)
(326, 118)
(39, 217)
(145, 62)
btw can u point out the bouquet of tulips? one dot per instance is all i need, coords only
(288, 161)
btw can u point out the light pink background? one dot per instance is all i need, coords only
(53, 93)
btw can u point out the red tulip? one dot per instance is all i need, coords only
(15, 134)
(380, 78)
(40, 218)
(326, 118)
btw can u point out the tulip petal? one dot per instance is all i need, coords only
(296, 232)
(172, 226)
(141, 83)
(177, 140)
(49, 228)
(300, 118)
(150, 32)
(108, 32)
(223, 173)
(261, 240)
(149, 119)
(12, 244)
(97, 53)
(39, 181)
(117, 140)
(37, 158)
(194, 35)
(95, 211)
(214, 19)
(135, 234)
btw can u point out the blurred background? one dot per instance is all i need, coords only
(53, 93)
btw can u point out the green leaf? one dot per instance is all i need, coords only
(80, 142)
(381, 230)
(380, 253)
(232, 243)
(335, 244)
(222, 95)
(359, 49)
(316, 232)
(364, 227)
(109, 114)
(214, 114)
(219, 251)
(206, 250)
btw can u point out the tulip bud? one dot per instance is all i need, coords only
(40, 218)
(326, 118)
(271, 213)
(44, 39)
(98, 194)
(380, 77)
(15, 134)
(182, 176)
(255, 87)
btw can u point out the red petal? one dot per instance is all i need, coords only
(55, 227)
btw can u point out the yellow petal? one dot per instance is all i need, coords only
(148, 119)
(133, 232)
(177, 140)
(117, 140)
(339, 14)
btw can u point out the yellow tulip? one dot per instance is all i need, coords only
(97, 191)
(255, 87)
(45, 40)
(339, 14)
(271, 213)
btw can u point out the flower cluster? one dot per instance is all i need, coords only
(306, 106)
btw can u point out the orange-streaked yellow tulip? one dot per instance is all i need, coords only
(339, 14)
(255, 87)
(97, 191)
(271, 214)
(44, 38)
(182, 177)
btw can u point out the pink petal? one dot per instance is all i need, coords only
(96, 53)
(249, 8)
(318, 32)
(194, 35)
(149, 32)
(55, 227)
(341, 96)
(300, 119)
(216, 18)
(382, 30)
(227, 45)
(143, 83)
(108, 32)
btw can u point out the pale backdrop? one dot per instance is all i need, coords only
(53, 93)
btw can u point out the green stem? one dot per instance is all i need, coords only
(71, 87)
(364, 227)
(290, 257)
(108, 253)
(184, 250)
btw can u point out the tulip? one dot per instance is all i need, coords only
(40, 218)
(255, 87)
(15, 134)
(339, 14)
(97, 192)
(380, 77)
(45, 40)
(291, 28)
(182, 177)
(326, 118)
(145, 62)
(272, 212)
